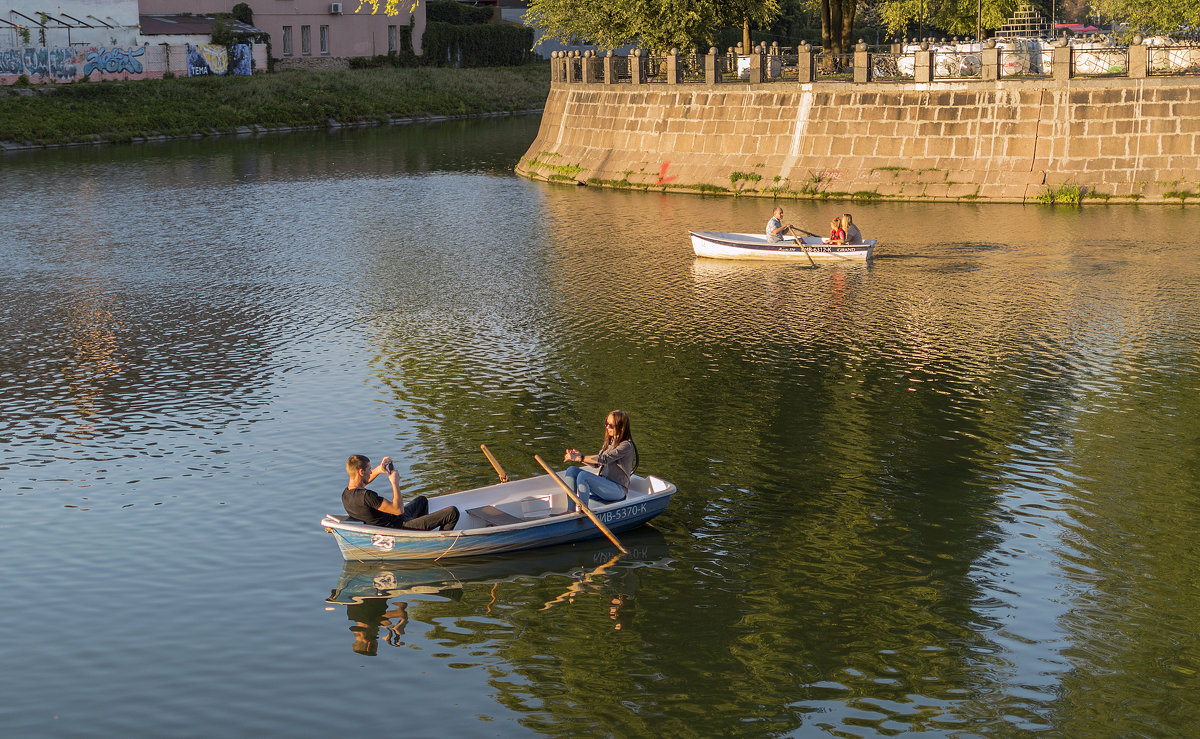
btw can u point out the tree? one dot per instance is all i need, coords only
(953, 17)
(655, 24)
(837, 25)
(1153, 16)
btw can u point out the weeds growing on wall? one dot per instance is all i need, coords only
(1068, 194)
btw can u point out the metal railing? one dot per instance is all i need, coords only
(622, 74)
(997, 60)
(1110, 61)
(830, 67)
(891, 67)
(1173, 60)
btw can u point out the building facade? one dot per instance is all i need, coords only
(317, 32)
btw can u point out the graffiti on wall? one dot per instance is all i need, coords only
(113, 60)
(206, 59)
(62, 64)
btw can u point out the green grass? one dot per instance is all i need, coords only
(121, 111)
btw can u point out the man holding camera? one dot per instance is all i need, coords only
(367, 506)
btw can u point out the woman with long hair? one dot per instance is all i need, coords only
(616, 459)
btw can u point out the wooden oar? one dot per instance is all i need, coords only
(800, 241)
(495, 465)
(581, 505)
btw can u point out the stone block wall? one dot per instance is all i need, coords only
(1124, 139)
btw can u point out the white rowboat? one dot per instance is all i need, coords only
(506, 517)
(719, 245)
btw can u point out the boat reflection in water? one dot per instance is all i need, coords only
(367, 589)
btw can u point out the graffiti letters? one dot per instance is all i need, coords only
(62, 64)
(113, 60)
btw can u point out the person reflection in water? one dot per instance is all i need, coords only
(371, 614)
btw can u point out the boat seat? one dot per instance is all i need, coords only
(493, 516)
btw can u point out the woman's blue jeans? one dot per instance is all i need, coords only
(590, 484)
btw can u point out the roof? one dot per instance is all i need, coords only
(197, 25)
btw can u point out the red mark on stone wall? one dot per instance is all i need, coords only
(662, 175)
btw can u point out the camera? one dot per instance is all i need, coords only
(388, 467)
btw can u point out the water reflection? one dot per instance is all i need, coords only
(372, 591)
(948, 491)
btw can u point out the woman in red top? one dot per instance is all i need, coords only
(837, 235)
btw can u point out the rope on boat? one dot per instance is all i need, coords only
(443, 554)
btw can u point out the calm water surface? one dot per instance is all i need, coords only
(953, 492)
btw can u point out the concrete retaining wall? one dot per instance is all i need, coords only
(1125, 139)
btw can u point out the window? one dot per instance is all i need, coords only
(287, 40)
(305, 39)
(391, 39)
(324, 39)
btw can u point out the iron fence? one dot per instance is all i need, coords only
(889, 67)
(1172, 60)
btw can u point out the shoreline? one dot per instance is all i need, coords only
(179, 108)
(14, 147)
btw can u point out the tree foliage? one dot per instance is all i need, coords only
(655, 24)
(905, 18)
(1153, 16)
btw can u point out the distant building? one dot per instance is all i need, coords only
(316, 33)
(67, 23)
(513, 11)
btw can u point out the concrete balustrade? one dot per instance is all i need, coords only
(764, 65)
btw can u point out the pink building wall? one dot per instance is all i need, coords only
(349, 34)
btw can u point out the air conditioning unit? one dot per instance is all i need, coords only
(335, 8)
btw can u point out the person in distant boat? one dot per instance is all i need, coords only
(775, 227)
(853, 235)
(367, 506)
(836, 234)
(616, 459)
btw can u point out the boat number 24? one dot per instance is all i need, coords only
(622, 513)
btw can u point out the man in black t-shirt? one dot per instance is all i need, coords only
(367, 506)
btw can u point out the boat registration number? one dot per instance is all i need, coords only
(383, 542)
(622, 513)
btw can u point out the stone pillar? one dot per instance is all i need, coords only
(673, 67)
(1060, 61)
(610, 69)
(635, 67)
(712, 67)
(862, 63)
(756, 66)
(1139, 59)
(805, 68)
(923, 64)
(990, 59)
(556, 65)
(590, 68)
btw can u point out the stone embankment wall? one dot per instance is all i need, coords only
(1127, 140)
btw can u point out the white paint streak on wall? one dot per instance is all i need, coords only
(803, 112)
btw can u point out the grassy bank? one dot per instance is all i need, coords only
(121, 111)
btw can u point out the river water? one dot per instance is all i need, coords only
(951, 492)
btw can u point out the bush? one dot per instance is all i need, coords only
(242, 12)
(456, 13)
(490, 45)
